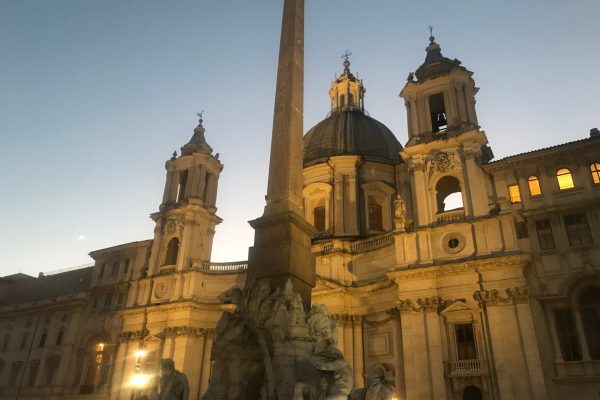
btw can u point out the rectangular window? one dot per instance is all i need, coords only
(545, 236)
(15, 370)
(534, 186)
(514, 193)
(121, 300)
(5, 343)
(375, 215)
(24, 340)
(521, 228)
(115, 268)
(319, 217)
(126, 266)
(59, 337)
(567, 335)
(102, 267)
(595, 169)
(108, 300)
(34, 367)
(43, 339)
(465, 342)
(578, 230)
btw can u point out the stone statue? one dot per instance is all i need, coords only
(173, 384)
(379, 386)
(399, 213)
(325, 374)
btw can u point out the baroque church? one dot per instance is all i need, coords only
(456, 275)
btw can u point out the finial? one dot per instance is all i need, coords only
(200, 116)
(346, 58)
(431, 37)
(174, 155)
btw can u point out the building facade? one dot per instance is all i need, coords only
(461, 276)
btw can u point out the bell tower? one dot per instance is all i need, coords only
(439, 98)
(445, 147)
(186, 220)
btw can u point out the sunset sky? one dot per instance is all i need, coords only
(96, 95)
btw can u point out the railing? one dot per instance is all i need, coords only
(467, 367)
(166, 269)
(224, 267)
(451, 216)
(371, 244)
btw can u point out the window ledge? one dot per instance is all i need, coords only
(561, 192)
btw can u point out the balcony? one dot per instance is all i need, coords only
(475, 367)
(451, 216)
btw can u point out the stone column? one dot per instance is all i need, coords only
(206, 362)
(338, 203)
(359, 357)
(398, 354)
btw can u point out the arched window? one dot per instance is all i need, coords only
(208, 181)
(564, 178)
(183, 178)
(534, 186)
(172, 252)
(595, 169)
(589, 304)
(472, 393)
(375, 215)
(449, 195)
(437, 109)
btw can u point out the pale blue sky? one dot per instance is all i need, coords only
(96, 95)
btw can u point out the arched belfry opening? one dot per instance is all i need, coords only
(172, 252)
(448, 194)
(437, 110)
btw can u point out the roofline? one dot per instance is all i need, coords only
(534, 153)
(123, 246)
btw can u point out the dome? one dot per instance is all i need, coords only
(351, 132)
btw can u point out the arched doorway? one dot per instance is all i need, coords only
(472, 393)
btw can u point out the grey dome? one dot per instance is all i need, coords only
(351, 132)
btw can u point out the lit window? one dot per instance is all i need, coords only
(544, 234)
(534, 186)
(564, 178)
(595, 169)
(515, 194)
(578, 230)
(567, 335)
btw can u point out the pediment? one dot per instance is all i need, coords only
(459, 307)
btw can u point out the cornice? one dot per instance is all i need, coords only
(515, 295)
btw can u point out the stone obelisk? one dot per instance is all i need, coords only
(281, 250)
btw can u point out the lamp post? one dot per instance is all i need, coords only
(139, 380)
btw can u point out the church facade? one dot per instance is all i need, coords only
(460, 276)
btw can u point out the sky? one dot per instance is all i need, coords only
(96, 95)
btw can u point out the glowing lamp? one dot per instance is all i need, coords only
(140, 380)
(140, 353)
